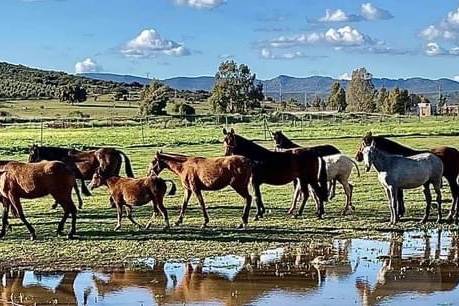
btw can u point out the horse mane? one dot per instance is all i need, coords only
(286, 142)
(394, 147)
(174, 157)
(250, 146)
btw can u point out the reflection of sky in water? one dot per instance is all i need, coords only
(355, 280)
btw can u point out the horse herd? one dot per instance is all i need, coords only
(313, 170)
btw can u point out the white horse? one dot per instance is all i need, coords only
(396, 172)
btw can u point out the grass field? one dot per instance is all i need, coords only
(98, 245)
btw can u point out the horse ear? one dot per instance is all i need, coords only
(225, 131)
(369, 134)
(232, 131)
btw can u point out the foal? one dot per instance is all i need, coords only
(129, 192)
(198, 174)
(35, 180)
(396, 172)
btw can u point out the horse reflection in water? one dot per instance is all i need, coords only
(428, 267)
(427, 272)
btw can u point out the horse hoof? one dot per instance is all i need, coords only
(203, 226)
(178, 223)
(290, 212)
(33, 237)
(242, 226)
(71, 236)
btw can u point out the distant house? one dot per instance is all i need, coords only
(425, 109)
(450, 109)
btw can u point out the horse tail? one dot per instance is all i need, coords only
(173, 189)
(323, 180)
(356, 167)
(127, 164)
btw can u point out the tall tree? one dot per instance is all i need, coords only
(154, 98)
(361, 92)
(235, 90)
(395, 102)
(337, 98)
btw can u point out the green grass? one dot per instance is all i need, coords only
(98, 245)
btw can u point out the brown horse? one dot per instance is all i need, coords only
(84, 163)
(35, 180)
(280, 168)
(198, 174)
(129, 192)
(448, 155)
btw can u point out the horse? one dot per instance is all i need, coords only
(339, 167)
(129, 192)
(35, 180)
(199, 174)
(397, 172)
(280, 168)
(448, 155)
(83, 163)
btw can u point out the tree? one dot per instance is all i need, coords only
(235, 90)
(361, 92)
(316, 102)
(121, 93)
(154, 98)
(337, 98)
(442, 100)
(381, 99)
(183, 109)
(395, 102)
(73, 94)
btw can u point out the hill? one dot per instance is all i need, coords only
(22, 82)
(312, 84)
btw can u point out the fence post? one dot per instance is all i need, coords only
(41, 132)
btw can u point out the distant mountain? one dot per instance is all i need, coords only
(288, 84)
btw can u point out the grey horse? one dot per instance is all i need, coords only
(396, 172)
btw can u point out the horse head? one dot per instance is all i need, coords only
(366, 141)
(34, 153)
(98, 179)
(368, 155)
(229, 142)
(156, 165)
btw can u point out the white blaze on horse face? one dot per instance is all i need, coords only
(366, 152)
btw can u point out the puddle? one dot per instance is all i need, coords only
(415, 268)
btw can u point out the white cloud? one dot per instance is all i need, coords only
(334, 16)
(345, 36)
(456, 78)
(87, 65)
(345, 76)
(431, 32)
(446, 31)
(268, 54)
(201, 4)
(433, 49)
(371, 12)
(453, 18)
(149, 43)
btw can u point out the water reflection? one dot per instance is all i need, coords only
(411, 268)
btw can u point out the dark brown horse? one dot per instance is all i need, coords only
(199, 174)
(448, 155)
(128, 192)
(35, 180)
(84, 163)
(280, 168)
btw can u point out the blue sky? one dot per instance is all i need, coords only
(166, 38)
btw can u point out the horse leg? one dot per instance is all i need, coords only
(401, 203)
(16, 203)
(128, 210)
(437, 188)
(348, 191)
(203, 207)
(395, 204)
(119, 215)
(258, 201)
(332, 189)
(69, 209)
(304, 189)
(244, 192)
(186, 199)
(296, 193)
(320, 204)
(390, 200)
(5, 223)
(428, 198)
(159, 205)
(455, 194)
(84, 188)
(78, 194)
